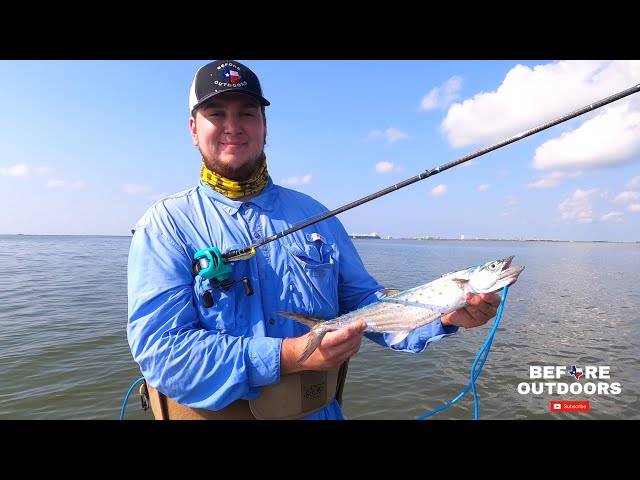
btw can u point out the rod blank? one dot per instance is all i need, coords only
(237, 254)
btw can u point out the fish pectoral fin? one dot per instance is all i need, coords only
(398, 337)
(304, 319)
(390, 291)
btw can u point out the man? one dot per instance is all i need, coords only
(218, 349)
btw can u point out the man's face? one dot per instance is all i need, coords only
(230, 132)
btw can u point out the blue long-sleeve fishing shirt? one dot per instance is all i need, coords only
(208, 357)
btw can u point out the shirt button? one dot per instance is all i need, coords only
(256, 235)
(272, 321)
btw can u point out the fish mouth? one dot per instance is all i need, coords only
(509, 273)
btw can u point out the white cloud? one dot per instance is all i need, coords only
(386, 167)
(610, 138)
(531, 97)
(634, 182)
(442, 96)
(439, 190)
(510, 201)
(390, 134)
(552, 179)
(626, 197)
(23, 170)
(57, 183)
(297, 180)
(510, 204)
(634, 207)
(485, 187)
(19, 170)
(577, 208)
(612, 217)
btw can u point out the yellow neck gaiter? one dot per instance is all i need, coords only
(233, 189)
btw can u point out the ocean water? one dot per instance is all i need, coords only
(64, 353)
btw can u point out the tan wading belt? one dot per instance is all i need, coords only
(295, 396)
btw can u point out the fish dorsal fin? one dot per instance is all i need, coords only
(460, 281)
(390, 291)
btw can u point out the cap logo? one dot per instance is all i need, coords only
(231, 74)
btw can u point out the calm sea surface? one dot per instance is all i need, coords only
(64, 353)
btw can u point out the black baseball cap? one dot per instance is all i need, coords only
(224, 76)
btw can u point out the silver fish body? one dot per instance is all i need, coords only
(402, 311)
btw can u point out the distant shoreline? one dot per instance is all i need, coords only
(366, 239)
(501, 240)
(59, 235)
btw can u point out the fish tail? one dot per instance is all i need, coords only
(318, 331)
(315, 338)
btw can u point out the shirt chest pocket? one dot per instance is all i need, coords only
(314, 275)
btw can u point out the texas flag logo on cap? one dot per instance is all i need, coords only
(229, 75)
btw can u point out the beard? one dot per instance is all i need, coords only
(238, 173)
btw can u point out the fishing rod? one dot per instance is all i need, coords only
(210, 263)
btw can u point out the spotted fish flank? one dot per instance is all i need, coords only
(402, 311)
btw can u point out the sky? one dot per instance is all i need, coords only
(88, 145)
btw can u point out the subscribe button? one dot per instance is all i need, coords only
(569, 406)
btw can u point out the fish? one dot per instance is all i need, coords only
(400, 312)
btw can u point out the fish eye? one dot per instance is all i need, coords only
(493, 265)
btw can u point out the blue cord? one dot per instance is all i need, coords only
(475, 373)
(126, 397)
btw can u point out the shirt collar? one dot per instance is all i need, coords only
(264, 200)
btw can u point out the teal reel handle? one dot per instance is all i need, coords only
(210, 265)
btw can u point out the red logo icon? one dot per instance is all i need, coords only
(569, 406)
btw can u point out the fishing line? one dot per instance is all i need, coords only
(126, 397)
(246, 252)
(475, 371)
